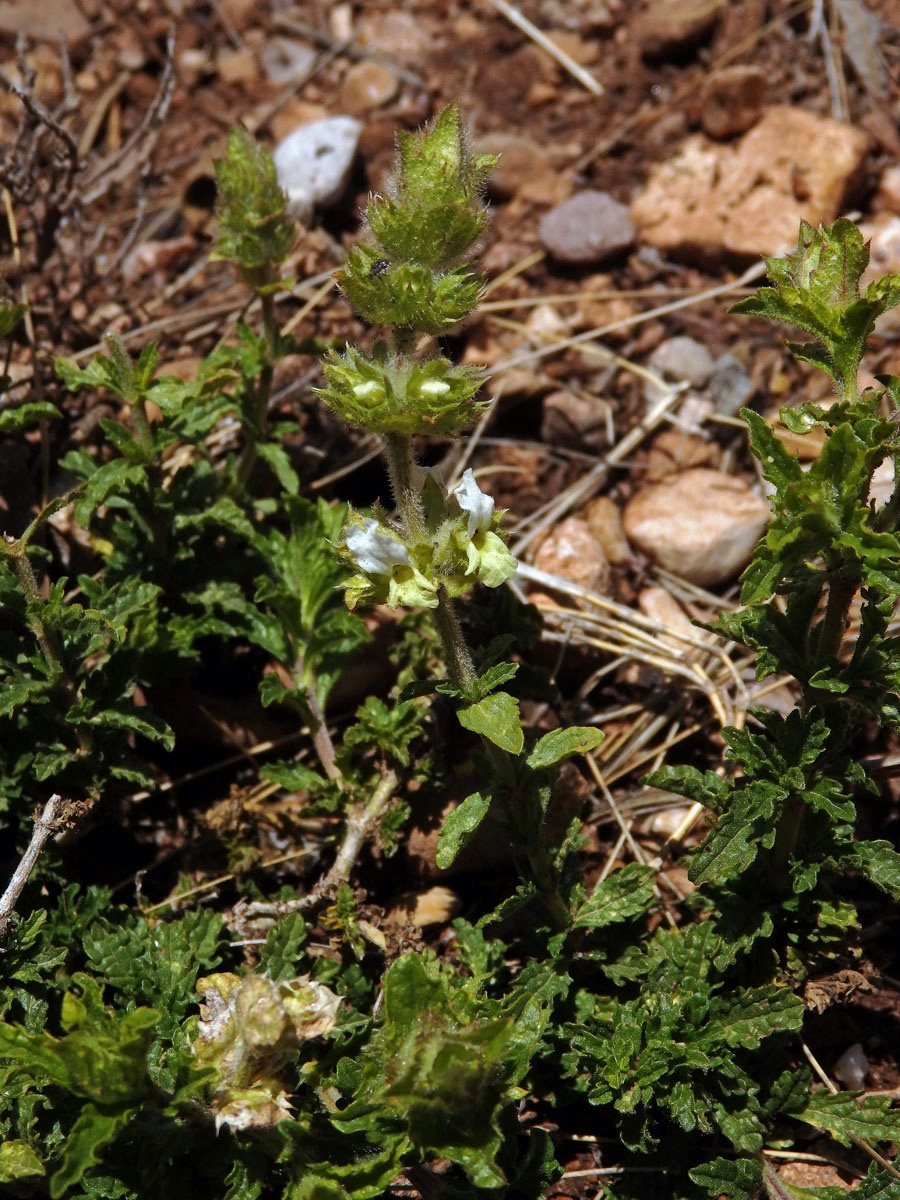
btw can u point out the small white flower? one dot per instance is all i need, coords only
(376, 553)
(472, 500)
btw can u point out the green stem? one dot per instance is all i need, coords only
(786, 834)
(456, 653)
(401, 465)
(141, 425)
(28, 582)
(263, 390)
(841, 590)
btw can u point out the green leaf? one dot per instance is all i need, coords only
(459, 826)
(496, 718)
(736, 1178)
(10, 316)
(562, 743)
(626, 893)
(18, 1161)
(878, 861)
(279, 957)
(94, 1129)
(732, 846)
(24, 416)
(848, 1115)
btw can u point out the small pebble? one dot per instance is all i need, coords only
(367, 86)
(286, 61)
(314, 162)
(681, 360)
(732, 101)
(590, 228)
(852, 1068)
(729, 386)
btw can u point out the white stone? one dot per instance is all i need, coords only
(701, 525)
(852, 1068)
(313, 163)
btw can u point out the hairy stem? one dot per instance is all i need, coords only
(401, 466)
(841, 591)
(456, 653)
(263, 390)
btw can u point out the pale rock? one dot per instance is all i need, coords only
(590, 227)
(729, 386)
(397, 34)
(575, 421)
(150, 257)
(669, 26)
(701, 525)
(887, 198)
(313, 164)
(883, 235)
(605, 522)
(287, 61)
(661, 607)
(571, 551)
(544, 321)
(746, 199)
(236, 66)
(852, 1068)
(681, 360)
(367, 86)
(732, 101)
(435, 906)
(44, 20)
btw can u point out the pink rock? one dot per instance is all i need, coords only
(701, 525)
(746, 199)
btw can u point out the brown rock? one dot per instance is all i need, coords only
(572, 551)
(713, 201)
(237, 66)
(524, 170)
(605, 522)
(701, 525)
(576, 421)
(296, 112)
(732, 101)
(367, 85)
(44, 20)
(673, 451)
(668, 26)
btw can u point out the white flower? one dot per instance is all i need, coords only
(376, 553)
(472, 500)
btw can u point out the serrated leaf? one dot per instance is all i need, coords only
(279, 957)
(847, 1115)
(878, 861)
(459, 826)
(18, 1161)
(624, 894)
(736, 1178)
(562, 743)
(732, 846)
(496, 718)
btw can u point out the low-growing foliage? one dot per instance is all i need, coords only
(173, 1052)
